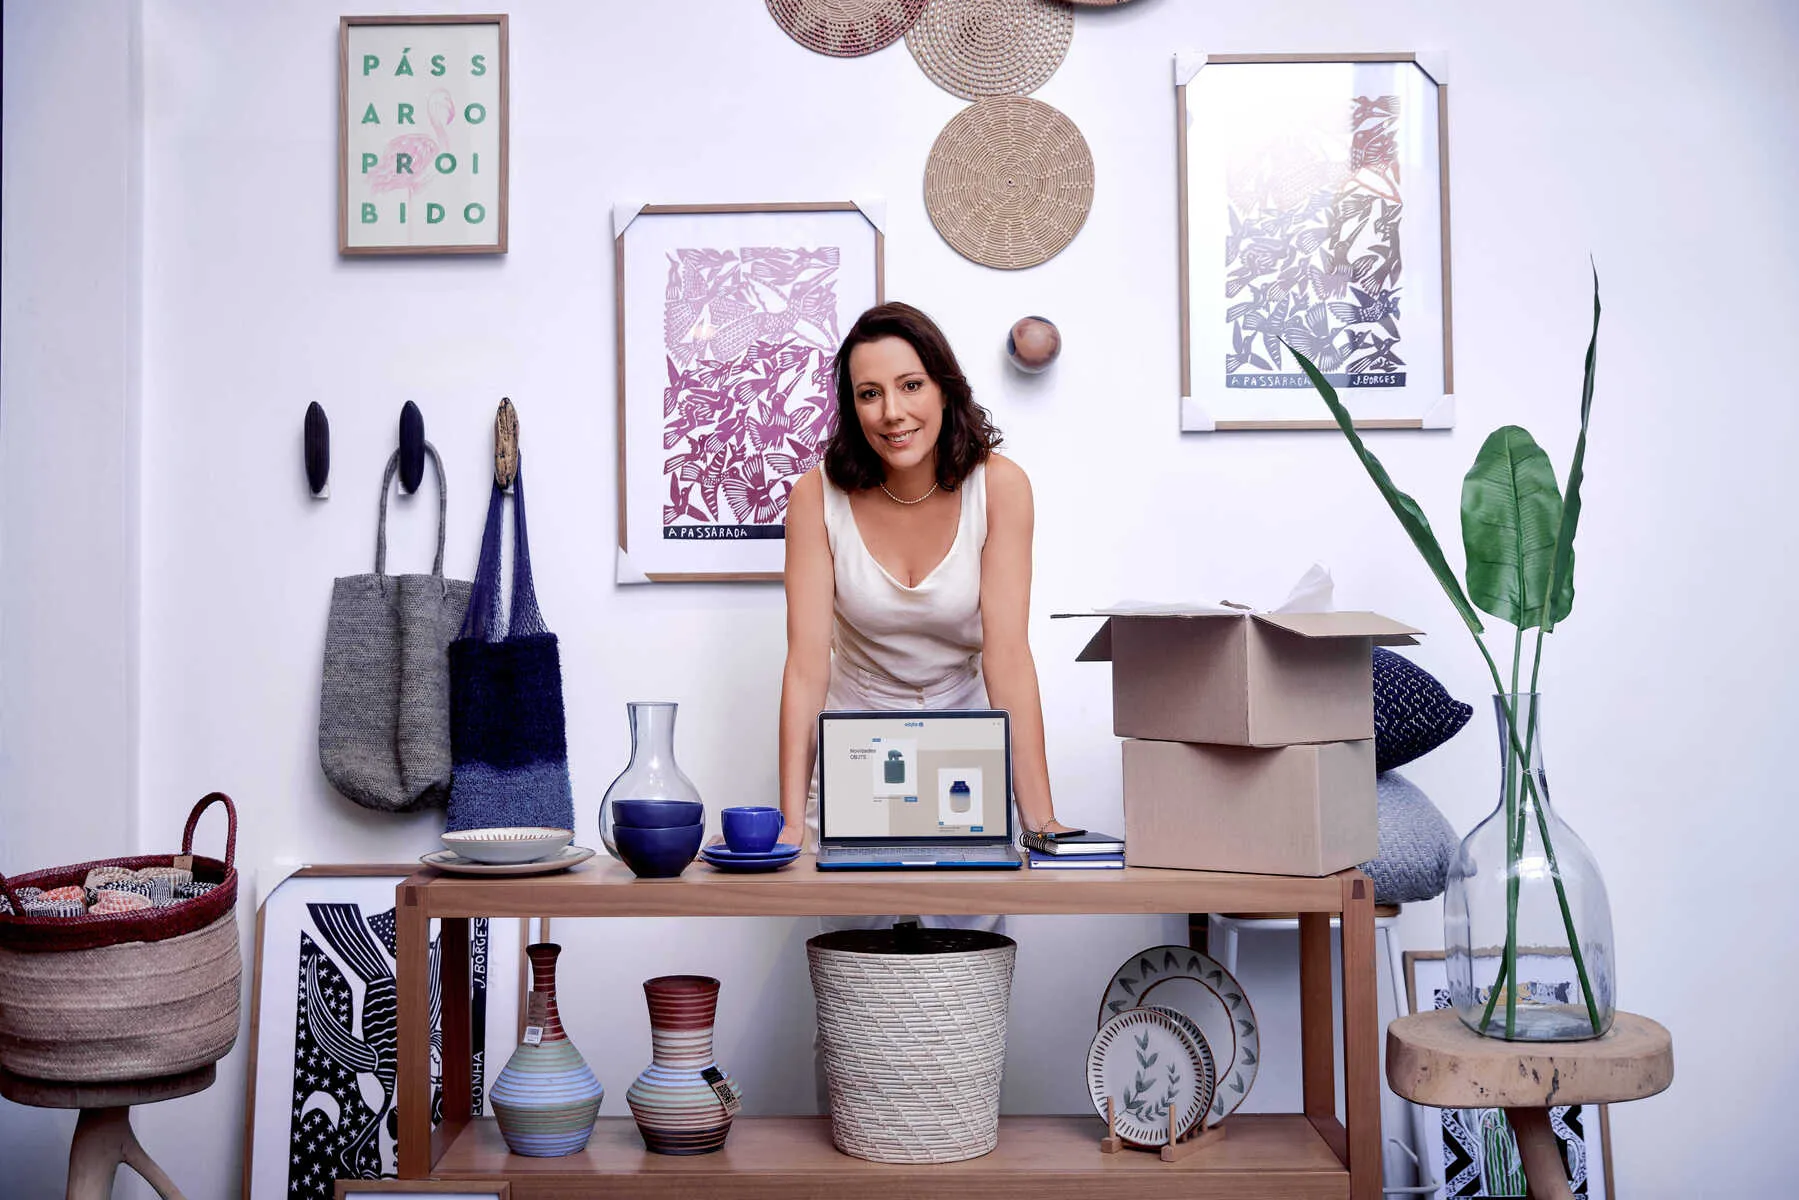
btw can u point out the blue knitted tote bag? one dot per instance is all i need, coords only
(508, 735)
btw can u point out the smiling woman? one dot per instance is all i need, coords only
(908, 561)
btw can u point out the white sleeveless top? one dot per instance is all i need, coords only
(898, 646)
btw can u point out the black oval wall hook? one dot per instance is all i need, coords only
(412, 447)
(317, 449)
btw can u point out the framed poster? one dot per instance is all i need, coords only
(1474, 1147)
(1314, 214)
(728, 318)
(422, 139)
(324, 1031)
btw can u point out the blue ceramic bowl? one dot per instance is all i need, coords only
(657, 814)
(752, 829)
(658, 853)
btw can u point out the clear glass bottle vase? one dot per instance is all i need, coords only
(1527, 926)
(652, 773)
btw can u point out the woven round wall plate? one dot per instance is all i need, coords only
(976, 48)
(1009, 182)
(845, 28)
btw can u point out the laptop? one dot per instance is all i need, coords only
(915, 789)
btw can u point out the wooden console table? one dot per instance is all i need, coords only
(1309, 1154)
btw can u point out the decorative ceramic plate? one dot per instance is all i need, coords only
(1185, 980)
(1149, 1065)
(781, 853)
(455, 864)
(517, 844)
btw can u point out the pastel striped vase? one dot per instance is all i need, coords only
(680, 1110)
(547, 1098)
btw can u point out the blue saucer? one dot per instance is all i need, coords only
(723, 853)
(749, 866)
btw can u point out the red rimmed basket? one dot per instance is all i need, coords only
(130, 995)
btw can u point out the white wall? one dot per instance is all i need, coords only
(1655, 136)
(69, 488)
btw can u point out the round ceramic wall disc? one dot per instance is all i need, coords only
(845, 28)
(976, 48)
(1009, 182)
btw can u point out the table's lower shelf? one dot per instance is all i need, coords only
(791, 1158)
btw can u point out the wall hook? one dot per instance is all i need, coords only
(316, 448)
(412, 447)
(505, 445)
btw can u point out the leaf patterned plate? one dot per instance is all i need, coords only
(1185, 980)
(1148, 1063)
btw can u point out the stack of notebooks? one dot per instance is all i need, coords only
(1089, 851)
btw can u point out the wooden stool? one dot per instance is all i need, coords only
(1434, 1059)
(103, 1137)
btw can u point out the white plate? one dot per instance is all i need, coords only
(1184, 979)
(1146, 1061)
(447, 860)
(519, 844)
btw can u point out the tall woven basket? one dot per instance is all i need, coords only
(104, 998)
(912, 1029)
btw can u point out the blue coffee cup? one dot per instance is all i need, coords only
(752, 829)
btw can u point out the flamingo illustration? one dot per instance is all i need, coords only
(420, 151)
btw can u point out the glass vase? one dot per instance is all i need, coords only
(652, 773)
(1527, 927)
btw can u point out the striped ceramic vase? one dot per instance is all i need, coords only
(683, 1102)
(546, 1099)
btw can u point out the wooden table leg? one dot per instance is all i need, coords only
(103, 1139)
(1361, 1039)
(454, 966)
(1541, 1153)
(1316, 1048)
(413, 938)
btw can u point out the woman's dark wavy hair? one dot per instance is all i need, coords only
(968, 435)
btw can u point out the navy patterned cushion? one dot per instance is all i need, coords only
(1417, 844)
(1413, 715)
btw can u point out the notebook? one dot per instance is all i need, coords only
(915, 789)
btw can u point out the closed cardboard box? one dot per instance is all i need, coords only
(1296, 810)
(1236, 678)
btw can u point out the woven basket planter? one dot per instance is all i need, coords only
(912, 1030)
(109, 997)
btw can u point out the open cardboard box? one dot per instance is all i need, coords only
(1297, 810)
(1233, 677)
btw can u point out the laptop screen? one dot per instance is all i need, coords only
(915, 775)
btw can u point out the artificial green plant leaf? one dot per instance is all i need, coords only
(1561, 575)
(1511, 512)
(1411, 517)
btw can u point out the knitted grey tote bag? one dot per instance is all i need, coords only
(384, 707)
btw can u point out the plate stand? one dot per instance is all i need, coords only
(1173, 1150)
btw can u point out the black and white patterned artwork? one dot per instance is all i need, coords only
(333, 1032)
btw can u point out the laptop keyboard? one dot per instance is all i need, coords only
(914, 853)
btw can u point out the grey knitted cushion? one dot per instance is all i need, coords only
(1416, 843)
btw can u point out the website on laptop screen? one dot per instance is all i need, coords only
(914, 775)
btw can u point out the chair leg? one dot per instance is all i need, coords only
(103, 1139)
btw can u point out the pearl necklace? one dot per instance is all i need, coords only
(897, 500)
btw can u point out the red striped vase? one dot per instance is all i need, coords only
(547, 1098)
(683, 1102)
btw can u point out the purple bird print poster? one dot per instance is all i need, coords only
(1314, 207)
(731, 321)
(323, 1076)
(422, 145)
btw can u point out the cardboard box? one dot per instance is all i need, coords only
(1236, 678)
(1297, 810)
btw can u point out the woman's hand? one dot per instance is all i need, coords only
(792, 834)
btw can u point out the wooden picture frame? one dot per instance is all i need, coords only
(1428, 969)
(508, 967)
(727, 316)
(486, 1189)
(1297, 175)
(401, 189)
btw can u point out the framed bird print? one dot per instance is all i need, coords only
(1314, 217)
(422, 141)
(729, 316)
(324, 1034)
